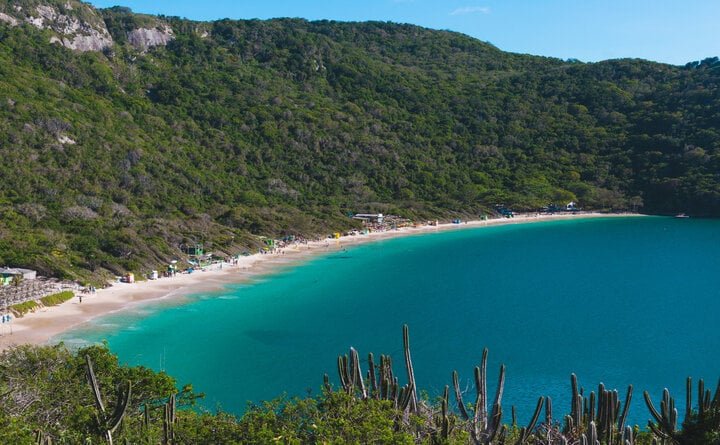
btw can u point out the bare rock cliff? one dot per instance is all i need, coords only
(74, 24)
(145, 38)
(79, 26)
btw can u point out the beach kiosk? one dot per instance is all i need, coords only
(9, 275)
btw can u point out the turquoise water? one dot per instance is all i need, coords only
(617, 300)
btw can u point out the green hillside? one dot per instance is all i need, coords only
(110, 160)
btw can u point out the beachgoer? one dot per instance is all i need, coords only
(80, 297)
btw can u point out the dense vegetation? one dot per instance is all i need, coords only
(112, 160)
(50, 395)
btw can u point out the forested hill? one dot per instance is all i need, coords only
(123, 136)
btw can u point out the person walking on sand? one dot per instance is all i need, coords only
(80, 297)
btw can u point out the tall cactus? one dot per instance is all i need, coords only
(169, 421)
(707, 403)
(484, 429)
(666, 427)
(42, 439)
(628, 437)
(574, 421)
(608, 417)
(592, 437)
(665, 424)
(410, 369)
(459, 398)
(146, 424)
(603, 410)
(441, 432)
(526, 432)
(350, 372)
(372, 378)
(388, 381)
(108, 423)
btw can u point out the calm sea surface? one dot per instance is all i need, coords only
(617, 300)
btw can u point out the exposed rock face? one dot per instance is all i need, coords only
(80, 27)
(74, 33)
(8, 19)
(145, 38)
(93, 42)
(63, 139)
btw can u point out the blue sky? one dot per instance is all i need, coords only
(670, 31)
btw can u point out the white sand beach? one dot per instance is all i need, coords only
(39, 327)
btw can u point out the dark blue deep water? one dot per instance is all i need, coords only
(617, 300)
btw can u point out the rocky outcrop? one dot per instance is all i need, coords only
(80, 27)
(8, 19)
(76, 25)
(145, 38)
(92, 42)
(74, 33)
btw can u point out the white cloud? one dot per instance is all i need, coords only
(471, 10)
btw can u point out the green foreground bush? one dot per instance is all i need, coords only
(44, 389)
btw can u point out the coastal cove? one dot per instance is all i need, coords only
(600, 298)
(39, 327)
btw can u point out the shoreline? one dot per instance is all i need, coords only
(42, 326)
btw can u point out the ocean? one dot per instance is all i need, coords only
(614, 300)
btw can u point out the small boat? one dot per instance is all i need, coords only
(681, 215)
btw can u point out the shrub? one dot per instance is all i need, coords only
(23, 308)
(59, 298)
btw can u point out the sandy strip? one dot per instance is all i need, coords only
(39, 327)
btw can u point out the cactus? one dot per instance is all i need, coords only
(405, 397)
(603, 410)
(42, 439)
(707, 416)
(666, 427)
(458, 397)
(484, 429)
(388, 382)
(383, 383)
(410, 370)
(372, 377)
(169, 421)
(146, 423)
(608, 418)
(442, 421)
(108, 423)
(592, 438)
(706, 401)
(526, 432)
(350, 371)
(358, 377)
(628, 437)
(575, 420)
